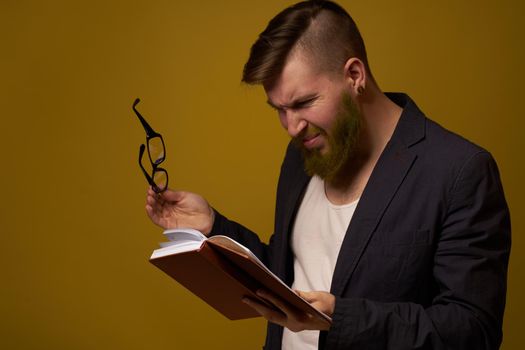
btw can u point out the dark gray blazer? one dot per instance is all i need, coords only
(424, 261)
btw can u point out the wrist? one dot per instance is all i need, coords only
(211, 219)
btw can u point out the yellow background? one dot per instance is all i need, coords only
(74, 237)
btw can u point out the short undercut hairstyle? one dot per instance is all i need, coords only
(322, 30)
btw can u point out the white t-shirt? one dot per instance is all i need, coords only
(318, 232)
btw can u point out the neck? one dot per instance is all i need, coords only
(380, 117)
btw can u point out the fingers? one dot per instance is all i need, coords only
(150, 191)
(158, 200)
(150, 211)
(322, 301)
(153, 196)
(286, 316)
(154, 205)
(313, 298)
(272, 299)
(153, 208)
(271, 315)
(308, 296)
(172, 196)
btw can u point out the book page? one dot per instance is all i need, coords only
(231, 244)
(184, 234)
(179, 240)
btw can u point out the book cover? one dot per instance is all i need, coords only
(221, 272)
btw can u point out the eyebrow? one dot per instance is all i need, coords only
(295, 103)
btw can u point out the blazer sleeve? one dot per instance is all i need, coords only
(241, 234)
(470, 270)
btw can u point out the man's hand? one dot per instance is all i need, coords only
(178, 209)
(288, 317)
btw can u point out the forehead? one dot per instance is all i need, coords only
(299, 78)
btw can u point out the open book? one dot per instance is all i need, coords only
(221, 272)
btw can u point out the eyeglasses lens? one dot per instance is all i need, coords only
(156, 150)
(160, 178)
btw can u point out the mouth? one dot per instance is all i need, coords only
(311, 141)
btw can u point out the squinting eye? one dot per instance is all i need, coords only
(305, 104)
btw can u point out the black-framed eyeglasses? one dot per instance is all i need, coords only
(158, 179)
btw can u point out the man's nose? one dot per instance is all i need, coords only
(294, 123)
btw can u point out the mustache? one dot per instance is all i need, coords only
(310, 131)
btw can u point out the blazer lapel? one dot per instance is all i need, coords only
(297, 191)
(294, 187)
(387, 176)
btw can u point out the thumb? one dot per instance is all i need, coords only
(305, 295)
(172, 196)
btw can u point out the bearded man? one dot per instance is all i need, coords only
(395, 227)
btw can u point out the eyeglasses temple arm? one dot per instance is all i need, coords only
(149, 130)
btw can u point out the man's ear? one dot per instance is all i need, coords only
(355, 76)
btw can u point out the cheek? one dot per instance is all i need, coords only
(323, 118)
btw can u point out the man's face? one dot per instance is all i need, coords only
(318, 114)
